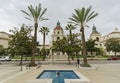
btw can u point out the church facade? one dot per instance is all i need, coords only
(101, 40)
(58, 33)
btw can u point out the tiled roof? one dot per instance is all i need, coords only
(58, 27)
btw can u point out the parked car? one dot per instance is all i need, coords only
(114, 58)
(5, 58)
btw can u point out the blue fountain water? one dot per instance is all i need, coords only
(58, 76)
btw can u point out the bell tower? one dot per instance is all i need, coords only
(58, 32)
(95, 36)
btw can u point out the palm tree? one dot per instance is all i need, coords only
(81, 17)
(44, 31)
(35, 14)
(70, 27)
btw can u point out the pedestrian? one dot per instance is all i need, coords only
(78, 63)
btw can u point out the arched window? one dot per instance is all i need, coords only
(97, 38)
(58, 32)
(58, 38)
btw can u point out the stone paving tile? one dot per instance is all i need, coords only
(103, 73)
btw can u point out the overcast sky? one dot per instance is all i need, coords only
(105, 22)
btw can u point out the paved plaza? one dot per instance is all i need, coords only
(102, 71)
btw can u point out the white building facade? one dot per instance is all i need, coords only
(101, 40)
(58, 33)
(4, 39)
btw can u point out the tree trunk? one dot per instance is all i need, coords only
(83, 46)
(21, 62)
(70, 36)
(44, 41)
(34, 46)
(68, 58)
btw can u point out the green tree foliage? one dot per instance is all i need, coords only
(81, 17)
(44, 53)
(35, 14)
(72, 40)
(2, 50)
(20, 43)
(113, 44)
(64, 45)
(59, 45)
(90, 46)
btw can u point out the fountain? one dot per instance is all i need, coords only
(58, 73)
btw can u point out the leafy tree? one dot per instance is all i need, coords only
(72, 41)
(35, 14)
(2, 50)
(113, 44)
(101, 51)
(98, 51)
(44, 53)
(90, 46)
(64, 45)
(44, 31)
(81, 17)
(75, 45)
(20, 43)
(58, 45)
(47, 52)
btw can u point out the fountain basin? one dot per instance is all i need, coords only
(46, 77)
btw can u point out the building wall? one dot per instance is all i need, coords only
(56, 34)
(4, 39)
(102, 41)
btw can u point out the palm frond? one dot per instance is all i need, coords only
(26, 13)
(28, 18)
(44, 30)
(31, 9)
(41, 19)
(86, 13)
(70, 27)
(82, 14)
(43, 12)
(87, 26)
(77, 15)
(91, 17)
(72, 22)
(35, 13)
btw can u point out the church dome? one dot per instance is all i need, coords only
(94, 31)
(58, 27)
